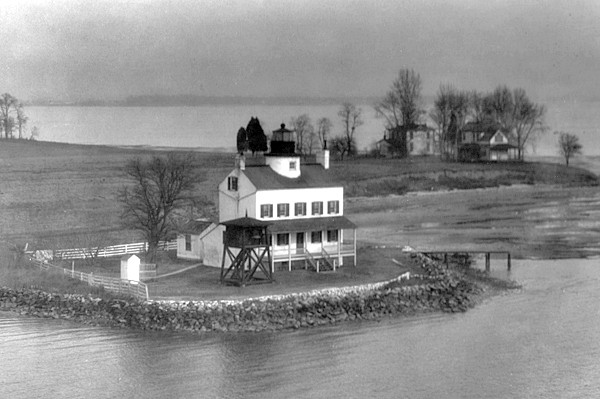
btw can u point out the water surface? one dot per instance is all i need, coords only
(541, 341)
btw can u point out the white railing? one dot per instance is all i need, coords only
(113, 250)
(295, 253)
(129, 287)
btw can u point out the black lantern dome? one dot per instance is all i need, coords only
(283, 142)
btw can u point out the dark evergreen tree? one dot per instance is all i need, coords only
(242, 141)
(257, 140)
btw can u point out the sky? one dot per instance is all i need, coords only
(75, 50)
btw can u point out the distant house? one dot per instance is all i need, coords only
(302, 203)
(408, 140)
(485, 142)
(384, 147)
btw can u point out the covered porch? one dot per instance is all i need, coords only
(502, 152)
(320, 244)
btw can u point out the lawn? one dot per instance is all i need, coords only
(202, 282)
(64, 196)
(56, 195)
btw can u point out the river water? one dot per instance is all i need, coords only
(540, 341)
(217, 126)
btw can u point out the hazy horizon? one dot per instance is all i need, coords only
(73, 50)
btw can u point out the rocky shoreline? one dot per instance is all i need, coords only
(436, 289)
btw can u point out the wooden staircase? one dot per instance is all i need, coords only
(323, 264)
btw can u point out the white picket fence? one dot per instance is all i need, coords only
(128, 287)
(105, 252)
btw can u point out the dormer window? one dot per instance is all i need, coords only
(232, 183)
(292, 165)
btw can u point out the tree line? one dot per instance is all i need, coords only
(13, 120)
(510, 109)
(309, 139)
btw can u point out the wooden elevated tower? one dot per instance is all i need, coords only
(246, 246)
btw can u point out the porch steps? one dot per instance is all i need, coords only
(319, 265)
(327, 260)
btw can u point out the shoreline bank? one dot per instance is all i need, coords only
(436, 289)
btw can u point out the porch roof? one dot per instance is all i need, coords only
(311, 224)
(502, 147)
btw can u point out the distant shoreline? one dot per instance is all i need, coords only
(201, 101)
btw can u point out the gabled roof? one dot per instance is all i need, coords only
(312, 176)
(194, 227)
(487, 136)
(502, 147)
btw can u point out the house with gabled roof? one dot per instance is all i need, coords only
(408, 140)
(480, 141)
(303, 205)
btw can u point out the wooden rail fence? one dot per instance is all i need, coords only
(128, 287)
(113, 250)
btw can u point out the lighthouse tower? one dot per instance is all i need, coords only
(283, 158)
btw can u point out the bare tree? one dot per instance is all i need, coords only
(160, 186)
(91, 244)
(515, 113)
(527, 120)
(323, 128)
(451, 108)
(310, 142)
(338, 146)
(568, 145)
(21, 119)
(304, 129)
(403, 103)
(351, 120)
(8, 107)
(500, 106)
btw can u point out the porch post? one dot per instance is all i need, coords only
(272, 257)
(339, 248)
(305, 249)
(354, 247)
(289, 253)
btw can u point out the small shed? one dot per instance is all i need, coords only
(190, 242)
(130, 268)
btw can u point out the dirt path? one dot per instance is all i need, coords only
(179, 271)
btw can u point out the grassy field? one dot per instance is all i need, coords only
(56, 195)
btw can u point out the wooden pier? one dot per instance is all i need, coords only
(488, 255)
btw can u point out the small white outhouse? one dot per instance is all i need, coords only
(130, 268)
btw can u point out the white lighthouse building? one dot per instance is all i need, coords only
(303, 205)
